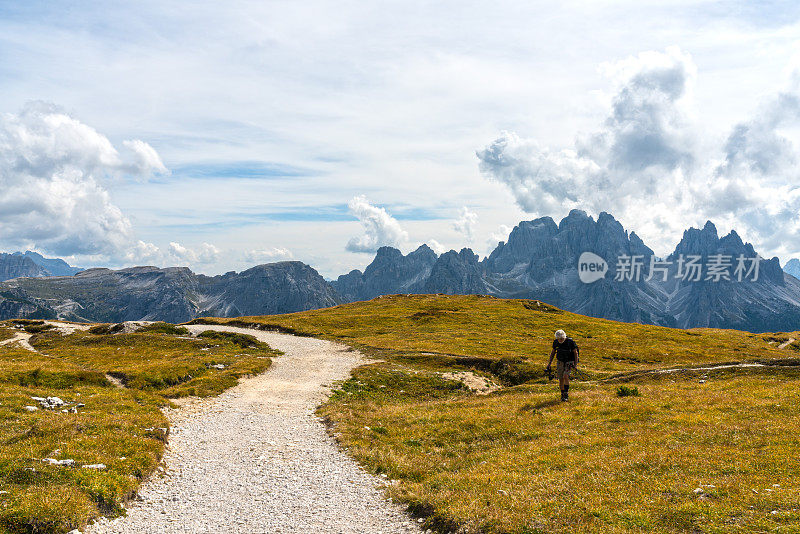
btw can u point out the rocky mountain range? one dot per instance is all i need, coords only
(173, 294)
(708, 280)
(540, 261)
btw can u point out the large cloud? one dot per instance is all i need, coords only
(647, 166)
(380, 228)
(52, 197)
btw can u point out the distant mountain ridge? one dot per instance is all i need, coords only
(538, 261)
(55, 266)
(33, 264)
(173, 294)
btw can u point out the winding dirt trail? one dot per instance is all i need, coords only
(257, 460)
(20, 338)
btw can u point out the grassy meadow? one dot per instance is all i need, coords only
(116, 385)
(688, 451)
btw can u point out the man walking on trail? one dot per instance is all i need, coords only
(566, 352)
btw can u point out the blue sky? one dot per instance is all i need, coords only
(269, 120)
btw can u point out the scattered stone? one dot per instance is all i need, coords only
(49, 403)
(80, 405)
(3, 493)
(698, 491)
(702, 381)
(62, 463)
(216, 366)
(99, 467)
(31, 408)
(504, 493)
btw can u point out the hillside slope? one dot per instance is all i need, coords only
(486, 329)
(684, 447)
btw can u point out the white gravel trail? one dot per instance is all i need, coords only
(257, 460)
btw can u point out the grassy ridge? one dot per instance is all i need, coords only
(696, 451)
(6, 333)
(122, 428)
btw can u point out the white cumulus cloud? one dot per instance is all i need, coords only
(437, 247)
(496, 237)
(268, 255)
(380, 228)
(466, 223)
(205, 254)
(52, 194)
(144, 158)
(646, 164)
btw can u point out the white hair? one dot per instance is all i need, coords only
(560, 334)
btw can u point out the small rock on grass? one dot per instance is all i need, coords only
(64, 463)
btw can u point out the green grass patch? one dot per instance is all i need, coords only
(164, 328)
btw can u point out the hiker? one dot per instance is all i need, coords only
(566, 351)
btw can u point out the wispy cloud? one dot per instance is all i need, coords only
(256, 170)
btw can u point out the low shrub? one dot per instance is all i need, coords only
(244, 341)
(164, 328)
(627, 391)
(103, 329)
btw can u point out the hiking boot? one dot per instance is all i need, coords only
(564, 397)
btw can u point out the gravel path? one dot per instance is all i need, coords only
(257, 460)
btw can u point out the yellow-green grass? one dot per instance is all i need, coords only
(122, 428)
(173, 366)
(433, 328)
(6, 333)
(519, 461)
